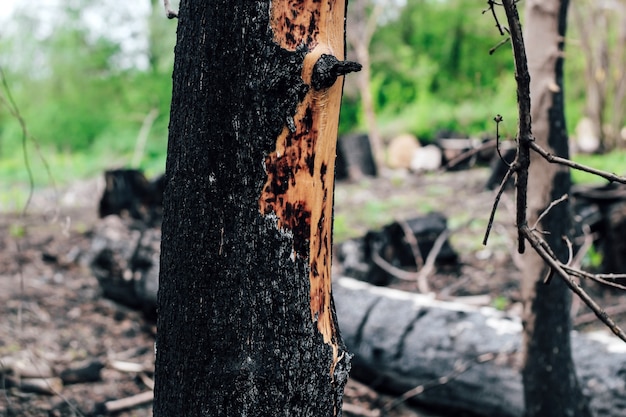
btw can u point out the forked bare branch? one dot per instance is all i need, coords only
(519, 168)
(561, 270)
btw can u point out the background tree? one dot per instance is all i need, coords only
(601, 33)
(550, 383)
(246, 321)
(362, 22)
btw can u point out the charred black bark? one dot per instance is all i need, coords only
(235, 332)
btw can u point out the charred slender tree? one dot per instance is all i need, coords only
(246, 320)
(550, 384)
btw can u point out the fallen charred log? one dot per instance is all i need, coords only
(457, 357)
(447, 355)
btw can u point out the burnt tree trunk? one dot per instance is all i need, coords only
(551, 387)
(246, 320)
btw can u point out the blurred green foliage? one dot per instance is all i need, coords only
(593, 258)
(85, 104)
(82, 97)
(432, 71)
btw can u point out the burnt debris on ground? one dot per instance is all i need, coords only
(78, 292)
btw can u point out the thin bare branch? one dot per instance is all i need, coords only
(498, 119)
(460, 367)
(499, 44)
(520, 166)
(409, 236)
(599, 278)
(429, 264)
(563, 161)
(393, 270)
(468, 154)
(570, 250)
(491, 8)
(421, 276)
(524, 135)
(559, 269)
(546, 211)
(115, 406)
(7, 100)
(494, 208)
(591, 317)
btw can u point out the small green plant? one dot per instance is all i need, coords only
(341, 230)
(500, 303)
(17, 230)
(593, 258)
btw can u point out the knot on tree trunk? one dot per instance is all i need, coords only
(328, 68)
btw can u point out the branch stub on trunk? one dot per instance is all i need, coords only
(328, 68)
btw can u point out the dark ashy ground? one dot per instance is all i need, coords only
(52, 313)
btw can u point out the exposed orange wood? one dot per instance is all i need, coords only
(300, 184)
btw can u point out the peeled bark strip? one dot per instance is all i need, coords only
(299, 188)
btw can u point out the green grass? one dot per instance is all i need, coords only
(356, 220)
(50, 167)
(430, 114)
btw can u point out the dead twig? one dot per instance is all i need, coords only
(410, 238)
(526, 143)
(142, 137)
(357, 410)
(393, 270)
(599, 278)
(459, 368)
(129, 367)
(491, 8)
(558, 268)
(494, 208)
(524, 135)
(546, 211)
(499, 44)
(591, 317)
(7, 100)
(429, 265)
(129, 402)
(421, 276)
(576, 262)
(584, 248)
(470, 153)
(147, 381)
(498, 119)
